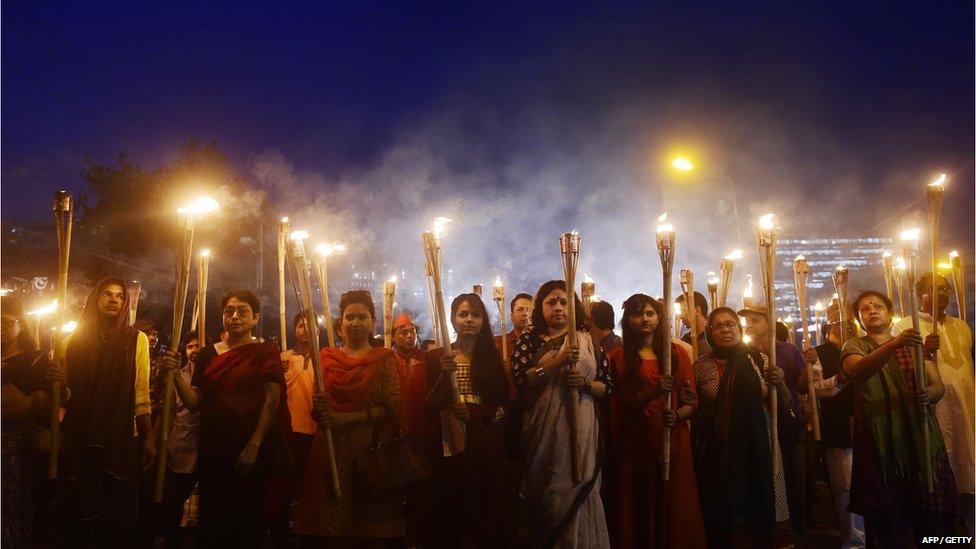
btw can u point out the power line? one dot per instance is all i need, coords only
(60, 98)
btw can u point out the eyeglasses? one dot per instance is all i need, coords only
(729, 325)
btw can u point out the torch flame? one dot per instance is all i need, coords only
(498, 282)
(788, 319)
(662, 218)
(329, 249)
(205, 253)
(45, 310)
(766, 221)
(953, 254)
(284, 219)
(747, 339)
(818, 306)
(201, 205)
(69, 326)
(299, 235)
(735, 255)
(840, 268)
(801, 258)
(393, 279)
(587, 279)
(911, 234)
(439, 225)
(944, 266)
(676, 309)
(938, 181)
(886, 254)
(747, 291)
(900, 263)
(712, 279)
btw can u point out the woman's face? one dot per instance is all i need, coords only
(468, 320)
(9, 329)
(239, 318)
(645, 321)
(725, 330)
(357, 324)
(555, 309)
(874, 314)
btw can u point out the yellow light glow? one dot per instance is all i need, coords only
(587, 279)
(595, 298)
(284, 219)
(953, 254)
(886, 254)
(911, 234)
(945, 266)
(747, 339)
(498, 282)
(938, 180)
(299, 235)
(900, 263)
(69, 326)
(818, 306)
(840, 268)
(801, 258)
(205, 253)
(735, 255)
(682, 164)
(788, 319)
(712, 279)
(747, 291)
(766, 222)
(393, 279)
(439, 225)
(201, 205)
(676, 309)
(4, 291)
(45, 310)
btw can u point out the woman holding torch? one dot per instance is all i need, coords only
(887, 485)
(556, 511)
(238, 388)
(638, 418)
(741, 488)
(469, 488)
(361, 389)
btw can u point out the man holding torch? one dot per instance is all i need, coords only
(953, 346)
(700, 317)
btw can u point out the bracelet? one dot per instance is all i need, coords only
(540, 372)
(585, 387)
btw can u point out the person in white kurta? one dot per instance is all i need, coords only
(955, 412)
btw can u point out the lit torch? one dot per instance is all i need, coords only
(818, 314)
(200, 207)
(712, 290)
(134, 291)
(63, 209)
(801, 271)
(747, 293)
(687, 280)
(203, 276)
(389, 295)
(934, 192)
(899, 271)
(322, 253)
(910, 248)
(476, 289)
(569, 246)
(284, 230)
(955, 260)
(587, 291)
(888, 262)
(766, 234)
(452, 429)
(297, 260)
(727, 266)
(666, 239)
(498, 294)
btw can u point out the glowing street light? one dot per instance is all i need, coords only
(682, 164)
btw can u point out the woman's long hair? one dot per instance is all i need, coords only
(633, 341)
(85, 339)
(487, 369)
(539, 326)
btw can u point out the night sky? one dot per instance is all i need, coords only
(834, 115)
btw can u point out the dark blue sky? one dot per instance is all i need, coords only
(876, 96)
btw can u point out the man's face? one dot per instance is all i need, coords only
(756, 326)
(405, 337)
(110, 301)
(521, 312)
(192, 350)
(301, 334)
(943, 291)
(239, 318)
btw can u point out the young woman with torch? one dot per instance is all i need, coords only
(888, 485)
(557, 510)
(638, 420)
(469, 490)
(361, 390)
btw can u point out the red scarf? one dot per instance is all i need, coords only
(348, 380)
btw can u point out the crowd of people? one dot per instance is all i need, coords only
(584, 445)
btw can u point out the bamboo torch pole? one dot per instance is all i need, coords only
(801, 273)
(665, 239)
(888, 263)
(725, 282)
(911, 251)
(900, 268)
(135, 290)
(63, 218)
(498, 294)
(434, 318)
(958, 283)
(452, 429)
(184, 257)
(687, 281)
(322, 253)
(587, 291)
(203, 277)
(767, 263)
(476, 289)
(299, 264)
(389, 297)
(284, 230)
(569, 245)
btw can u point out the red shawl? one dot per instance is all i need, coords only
(348, 380)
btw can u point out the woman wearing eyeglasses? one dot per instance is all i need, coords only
(24, 394)
(556, 511)
(238, 388)
(362, 389)
(741, 489)
(643, 511)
